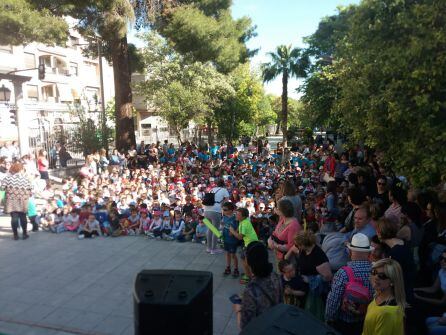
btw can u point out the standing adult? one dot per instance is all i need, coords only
(282, 239)
(64, 156)
(290, 193)
(213, 213)
(396, 249)
(385, 314)
(382, 195)
(263, 291)
(17, 192)
(398, 198)
(340, 316)
(42, 165)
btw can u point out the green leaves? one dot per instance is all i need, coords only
(22, 23)
(205, 31)
(387, 86)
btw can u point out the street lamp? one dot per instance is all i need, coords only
(5, 93)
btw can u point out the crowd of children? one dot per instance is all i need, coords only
(157, 191)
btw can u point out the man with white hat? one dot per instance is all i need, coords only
(345, 311)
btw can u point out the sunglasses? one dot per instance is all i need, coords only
(380, 275)
(382, 184)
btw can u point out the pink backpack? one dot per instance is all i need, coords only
(356, 296)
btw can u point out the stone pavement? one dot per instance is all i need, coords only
(59, 285)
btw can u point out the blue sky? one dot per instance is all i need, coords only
(280, 22)
(283, 22)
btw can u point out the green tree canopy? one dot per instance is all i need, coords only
(22, 23)
(389, 73)
(248, 111)
(202, 31)
(178, 90)
(287, 62)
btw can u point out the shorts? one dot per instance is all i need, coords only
(230, 248)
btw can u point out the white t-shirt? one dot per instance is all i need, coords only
(219, 194)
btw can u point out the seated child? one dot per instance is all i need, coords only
(189, 228)
(295, 288)
(156, 227)
(72, 220)
(91, 228)
(130, 225)
(177, 225)
(200, 231)
(144, 222)
(167, 225)
(58, 225)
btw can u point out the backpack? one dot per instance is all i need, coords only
(356, 296)
(209, 198)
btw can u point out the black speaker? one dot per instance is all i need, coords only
(173, 302)
(287, 320)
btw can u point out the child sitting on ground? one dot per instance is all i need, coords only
(295, 288)
(91, 228)
(167, 225)
(230, 243)
(200, 232)
(156, 227)
(177, 225)
(130, 225)
(189, 228)
(144, 222)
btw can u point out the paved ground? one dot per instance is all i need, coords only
(57, 284)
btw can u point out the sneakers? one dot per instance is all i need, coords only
(244, 280)
(25, 236)
(81, 236)
(203, 242)
(208, 250)
(93, 235)
(227, 271)
(235, 274)
(216, 251)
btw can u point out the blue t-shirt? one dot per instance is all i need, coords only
(229, 221)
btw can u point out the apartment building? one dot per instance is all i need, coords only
(46, 107)
(151, 127)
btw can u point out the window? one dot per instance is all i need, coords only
(91, 68)
(48, 93)
(92, 95)
(30, 61)
(32, 92)
(74, 71)
(6, 49)
(146, 125)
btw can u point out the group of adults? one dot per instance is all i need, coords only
(339, 219)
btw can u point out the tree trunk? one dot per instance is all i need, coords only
(125, 130)
(284, 107)
(210, 134)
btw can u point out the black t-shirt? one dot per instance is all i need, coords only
(307, 263)
(403, 255)
(296, 283)
(188, 208)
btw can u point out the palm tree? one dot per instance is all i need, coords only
(290, 63)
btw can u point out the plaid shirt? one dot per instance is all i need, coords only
(333, 312)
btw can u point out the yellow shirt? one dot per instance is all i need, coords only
(383, 320)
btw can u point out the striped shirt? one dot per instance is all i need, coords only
(333, 312)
